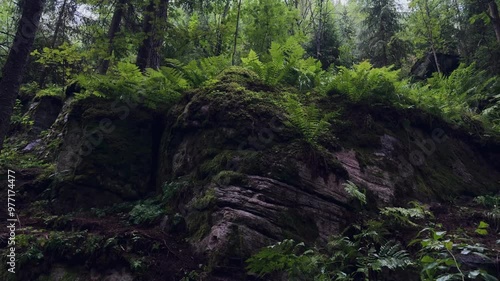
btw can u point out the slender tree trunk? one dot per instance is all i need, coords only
(114, 28)
(218, 45)
(17, 59)
(431, 36)
(233, 61)
(155, 20)
(319, 32)
(495, 18)
(59, 24)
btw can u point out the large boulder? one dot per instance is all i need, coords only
(243, 179)
(426, 66)
(103, 153)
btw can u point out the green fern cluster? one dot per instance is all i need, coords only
(308, 119)
(405, 216)
(286, 64)
(153, 87)
(354, 192)
(198, 72)
(344, 259)
(363, 83)
(466, 97)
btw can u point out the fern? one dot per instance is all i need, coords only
(354, 192)
(405, 216)
(308, 120)
(286, 64)
(390, 256)
(200, 71)
(363, 83)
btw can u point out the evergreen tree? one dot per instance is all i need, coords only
(379, 42)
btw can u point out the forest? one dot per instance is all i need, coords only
(250, 140)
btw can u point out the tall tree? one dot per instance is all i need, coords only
(154, 24)
(430, 24)
(236, 30)
(379, 42)
(58, 27)
(17, 59)
(114, 28)
(494, 17)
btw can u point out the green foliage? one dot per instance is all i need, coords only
(390, 256)
(366, 84)
(379, 41)
(492, 214)
(459, 97)
(287, 256)
(267, 21)
(125, 81)
(354, 192)
(309, 120)
(13, 157)
(482, 228)
(145, 212)
(286, 64)
(204, 201)
(405, 216)
(343, 260)
(51, 90)
(488, 201)
(201, 71)
(66, 60)
(18, 118)
(439, 262)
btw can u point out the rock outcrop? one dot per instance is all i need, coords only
(242, 177)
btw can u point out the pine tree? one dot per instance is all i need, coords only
(379, 42)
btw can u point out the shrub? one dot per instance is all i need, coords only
(286, 64)
(145, 213)
(366, 84)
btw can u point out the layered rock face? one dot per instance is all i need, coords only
(242, 177)
(253, 181)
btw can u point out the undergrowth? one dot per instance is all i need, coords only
(370, 250)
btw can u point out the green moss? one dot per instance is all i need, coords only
(239, 75)
(229, 178)
(218, 163)
(205, 201)
(198, 224)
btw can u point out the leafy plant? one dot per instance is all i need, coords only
(439, 260)
(127, 82)
(51, 91)
(309, 120)
(18, 118)
(405, 216)
(344, 259)
(354, 192)
(144, 213)
(482, 228)
(286, 65)
(366, 84)
(488, 201)
(65, 59)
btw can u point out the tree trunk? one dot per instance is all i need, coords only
(218, 45)
(495, 18)
(17, 59)
(233, 59)
(114, 28)
(154, 22)
(319, 32)
(59, 24)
